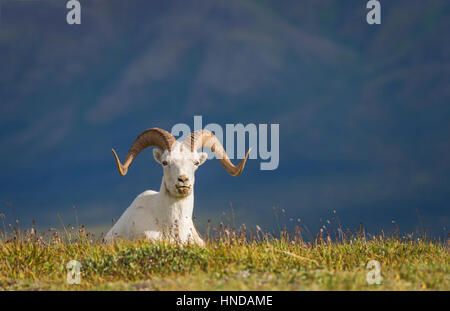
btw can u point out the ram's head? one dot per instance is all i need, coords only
(179, 160)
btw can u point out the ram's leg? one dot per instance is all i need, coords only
(196, 237)
(153, 235)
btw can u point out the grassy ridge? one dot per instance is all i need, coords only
(226, 263)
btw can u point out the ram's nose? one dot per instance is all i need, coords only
(183, 178)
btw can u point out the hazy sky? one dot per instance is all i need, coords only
(363, 110)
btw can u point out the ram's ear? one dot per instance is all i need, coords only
(157, 154)
(202, 158)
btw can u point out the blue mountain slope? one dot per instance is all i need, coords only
(363, 110)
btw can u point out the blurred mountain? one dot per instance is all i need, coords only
(363, 109)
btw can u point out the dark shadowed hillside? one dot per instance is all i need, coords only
(363, 110)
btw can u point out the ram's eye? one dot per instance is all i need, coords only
(197, 163)
(164, 163)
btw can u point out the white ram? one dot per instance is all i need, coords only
(168, 213)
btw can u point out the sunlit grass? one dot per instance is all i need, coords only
(232, 260)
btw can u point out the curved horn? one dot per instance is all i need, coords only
(152, 137)
(204, 138)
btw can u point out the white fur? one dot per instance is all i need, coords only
(167, 213)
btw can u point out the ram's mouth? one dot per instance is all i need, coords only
(183, 189)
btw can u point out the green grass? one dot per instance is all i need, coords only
(229, 262)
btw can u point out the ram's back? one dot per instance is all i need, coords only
(140, 216)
